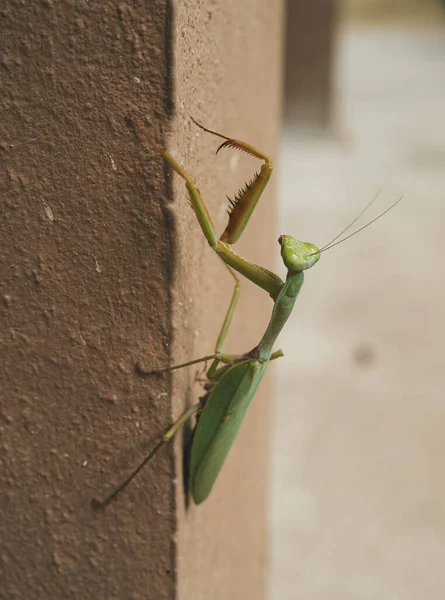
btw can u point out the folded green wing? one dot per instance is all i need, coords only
(219, 423)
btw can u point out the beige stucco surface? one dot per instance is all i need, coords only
(358, 490)
(226, 80)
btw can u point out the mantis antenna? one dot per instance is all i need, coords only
(328, 247)
(361, 213)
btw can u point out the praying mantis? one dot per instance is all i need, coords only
(232, 380)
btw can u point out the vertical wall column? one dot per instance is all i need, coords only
(103, 265)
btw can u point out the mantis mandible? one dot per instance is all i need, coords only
(232, 380)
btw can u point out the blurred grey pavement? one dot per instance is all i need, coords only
(358, 494)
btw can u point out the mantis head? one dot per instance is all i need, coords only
(298, 256)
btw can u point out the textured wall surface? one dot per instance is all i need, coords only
(101, 265)
(85, 273)
(228, 76)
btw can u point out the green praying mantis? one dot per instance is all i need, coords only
(232, 380)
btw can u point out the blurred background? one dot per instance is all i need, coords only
(358, 494)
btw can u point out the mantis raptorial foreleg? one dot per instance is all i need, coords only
(247, 198)
(242, 209)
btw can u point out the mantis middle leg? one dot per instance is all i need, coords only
(218, 356)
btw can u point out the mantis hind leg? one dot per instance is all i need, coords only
(164, 440)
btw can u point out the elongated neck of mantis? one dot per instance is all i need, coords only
(282, 309)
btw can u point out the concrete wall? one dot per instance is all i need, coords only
(227, 75)
(102, 265)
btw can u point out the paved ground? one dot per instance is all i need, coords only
(358, 498)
